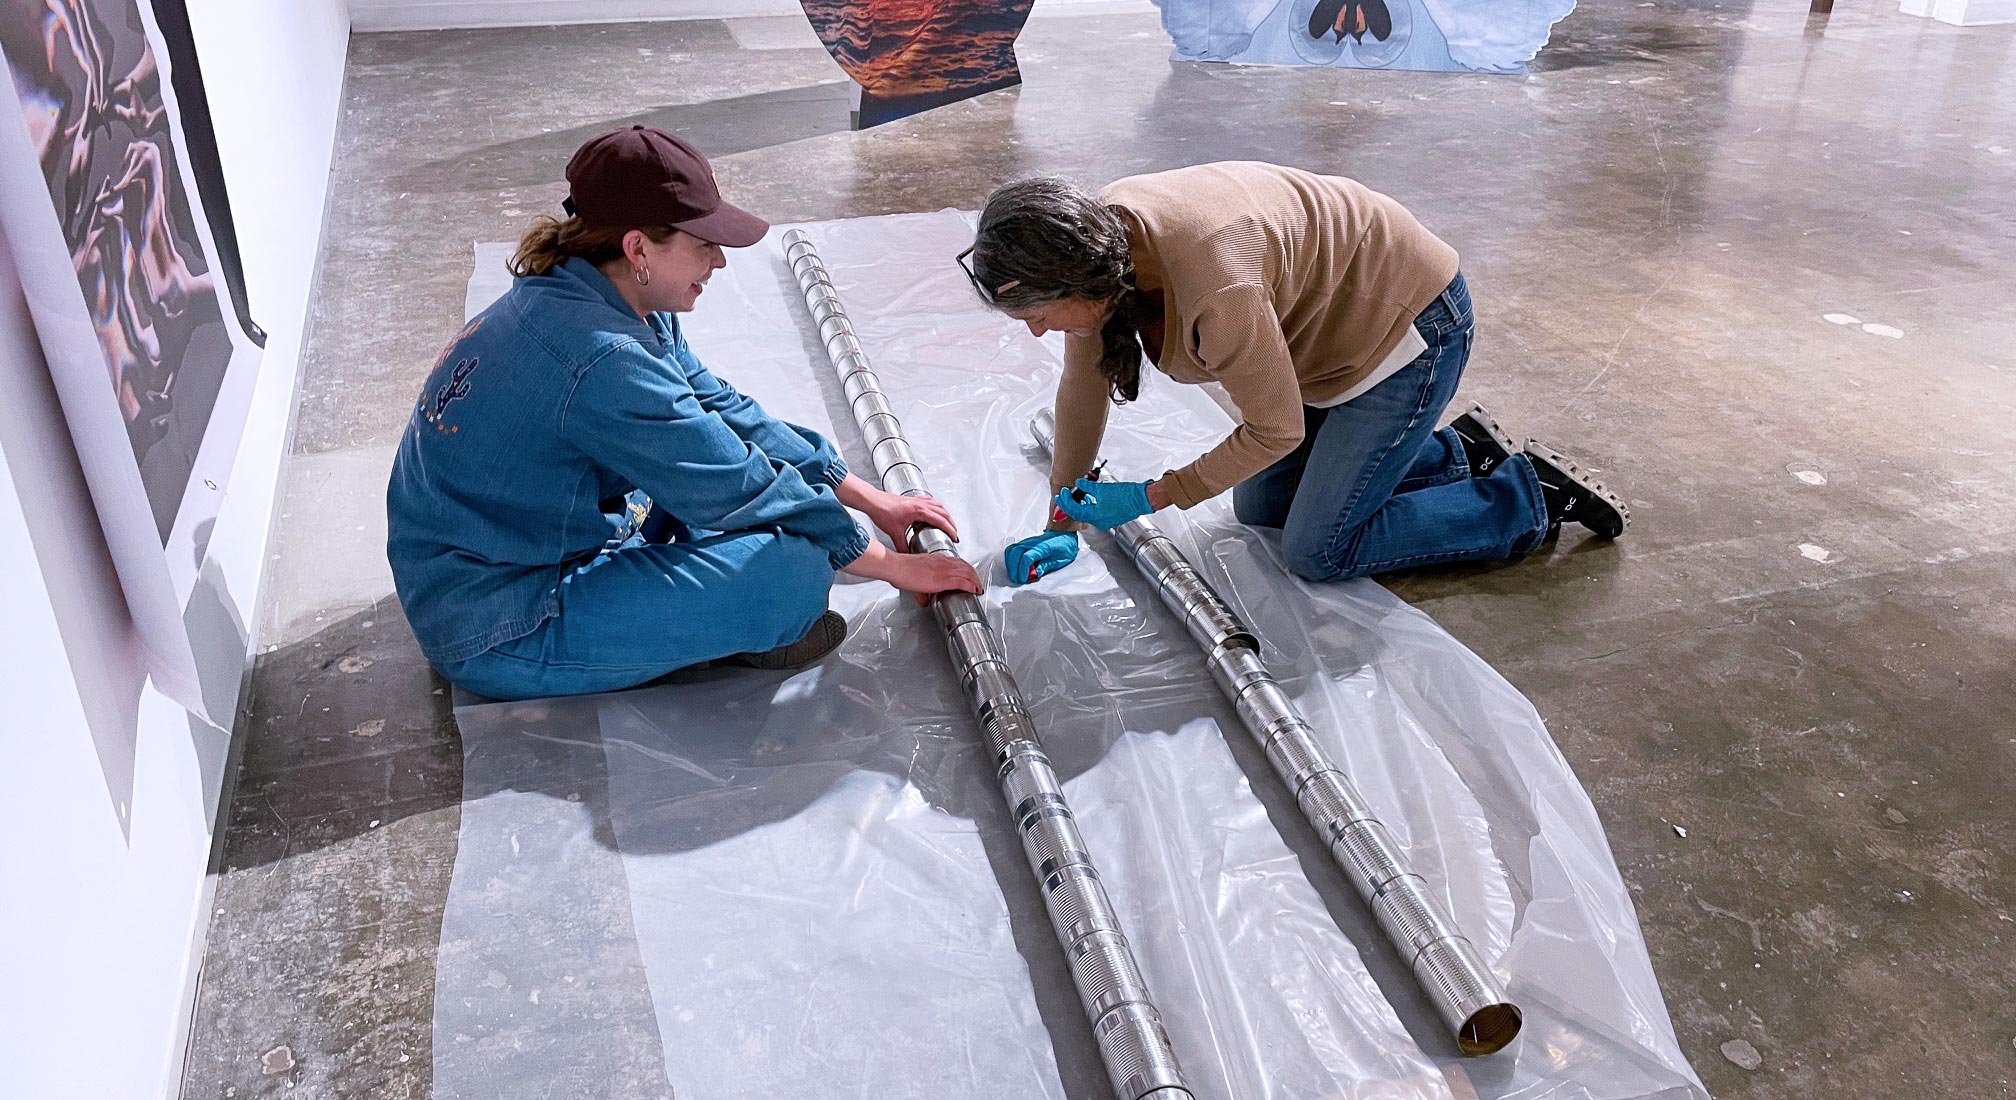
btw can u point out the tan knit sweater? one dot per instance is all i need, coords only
(1285, 286)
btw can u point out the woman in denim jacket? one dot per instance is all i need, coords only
(578, 505)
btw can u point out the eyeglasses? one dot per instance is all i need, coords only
(989, 295)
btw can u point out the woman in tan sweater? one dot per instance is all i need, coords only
(1338, 325)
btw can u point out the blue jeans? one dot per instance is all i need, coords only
(1375, 487)
(644, 609)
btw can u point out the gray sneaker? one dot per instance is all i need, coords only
(828, 631)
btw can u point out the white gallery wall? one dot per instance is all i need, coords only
(403, 15)
(108, 791)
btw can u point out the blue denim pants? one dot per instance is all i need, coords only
(645, 608)
(1375, 487)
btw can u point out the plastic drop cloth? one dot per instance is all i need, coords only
(1498, 36)
(769, 884)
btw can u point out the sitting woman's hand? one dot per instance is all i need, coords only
(923, 575)
(894, 515)
(928, 575)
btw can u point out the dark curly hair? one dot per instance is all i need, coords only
(1046, 239)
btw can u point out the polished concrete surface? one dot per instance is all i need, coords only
(1788, 689)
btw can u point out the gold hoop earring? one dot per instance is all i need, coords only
(642, 275)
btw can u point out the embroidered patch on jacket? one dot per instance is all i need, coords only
(434, 406)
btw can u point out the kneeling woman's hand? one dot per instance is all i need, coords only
(924, 575)
(1107, 504)
(1037, 555)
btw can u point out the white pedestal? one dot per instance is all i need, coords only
(1963, 13)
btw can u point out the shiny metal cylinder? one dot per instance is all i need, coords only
(858, 383)
(1141, 1063)
(1154, 555)
(930, 540)
(1236, 668)
(871, 405)
(1139, 1060)
(1466, 994)
(905, 480)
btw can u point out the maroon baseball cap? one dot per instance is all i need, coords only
(646, 176)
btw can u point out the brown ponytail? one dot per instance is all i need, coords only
(550, 242)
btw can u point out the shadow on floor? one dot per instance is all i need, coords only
(1579, 46)
(336, 746)
(721, 127)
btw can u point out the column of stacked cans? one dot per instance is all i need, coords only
(1465, 993)
(1132, 1042)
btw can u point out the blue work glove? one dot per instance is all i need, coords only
(1039, 554)
(1104, 504)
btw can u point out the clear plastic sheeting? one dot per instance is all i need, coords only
(815, 904)
(539, 989)
(806, 884)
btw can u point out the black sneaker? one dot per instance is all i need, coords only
(828, 631)
(1575, 497)
(1485, 444)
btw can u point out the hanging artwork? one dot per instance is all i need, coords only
(1496, 36)
(907, 56)
(147, 339)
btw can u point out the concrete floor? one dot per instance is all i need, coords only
(1800, 654)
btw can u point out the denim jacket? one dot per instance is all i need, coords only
(548, 429)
